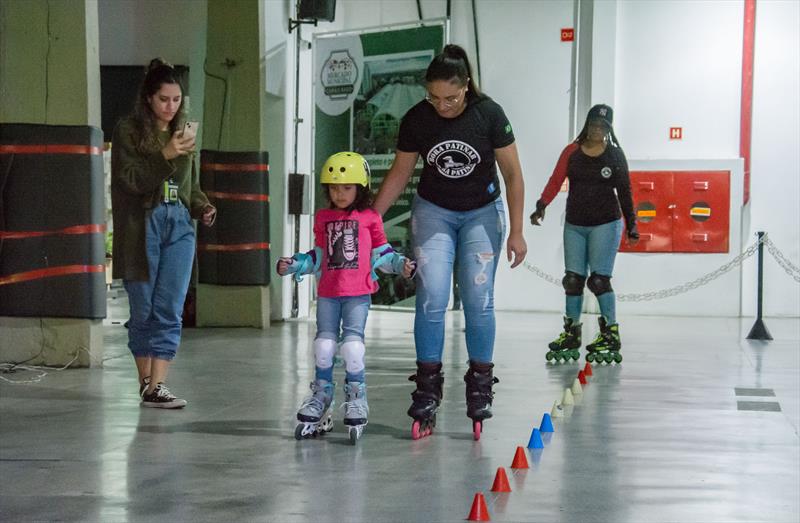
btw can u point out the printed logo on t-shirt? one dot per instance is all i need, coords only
(454, 158)
(342, 244)
(605, 172)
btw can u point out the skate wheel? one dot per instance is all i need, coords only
(576, 355)
(590, 357)
(415, 432)
(298, 432)
(609, 358)
(549, 356)
(477, 428)
(618, 357)
(353, 435)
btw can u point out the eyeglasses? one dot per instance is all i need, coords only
(450, 101)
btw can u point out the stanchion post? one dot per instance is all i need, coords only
(759, 330)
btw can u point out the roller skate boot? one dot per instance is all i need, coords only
(605, 347)
(566, 345)
(426, 399)
(315, 412)
(355, 408)
(479, 394)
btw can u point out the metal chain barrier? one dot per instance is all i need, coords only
(790, 269)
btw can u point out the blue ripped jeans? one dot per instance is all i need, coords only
(470, 240)
(156, 305)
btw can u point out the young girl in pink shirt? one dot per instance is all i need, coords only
(350, 245)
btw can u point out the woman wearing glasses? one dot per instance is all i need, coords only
(457, 220)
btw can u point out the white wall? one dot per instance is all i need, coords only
(775, 165)
(660, 63)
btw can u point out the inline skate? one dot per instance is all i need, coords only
(606, 346)
(355, 408)
(315, 412)
(426, 399)
(566, 345)
(479, 380)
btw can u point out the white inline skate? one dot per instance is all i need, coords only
(355, 408)
(315, 412)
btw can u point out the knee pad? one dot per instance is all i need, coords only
(324, 349)
(573, 283)
(353, 356)
(599, 284)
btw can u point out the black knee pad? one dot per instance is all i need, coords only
(599, 284)
(573, 283)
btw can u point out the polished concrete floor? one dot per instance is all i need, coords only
(697, 424)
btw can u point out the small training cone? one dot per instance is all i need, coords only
(577, 390)
(582, 378)
(501, 481)
(587, 369)
(520, 461)
(556, 411)
(547, 423)
(479, 512)
(567, 399)
(536, 440)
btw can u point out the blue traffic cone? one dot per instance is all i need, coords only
(536, 440)
(547, 424)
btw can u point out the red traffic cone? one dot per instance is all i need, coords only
(520, 461)
(501, 481)
(479, 511)
(582, 378)
(587, 370)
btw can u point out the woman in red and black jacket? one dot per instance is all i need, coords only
(599, 198)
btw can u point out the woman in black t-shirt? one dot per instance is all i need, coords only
(598, 186)
(457, 220)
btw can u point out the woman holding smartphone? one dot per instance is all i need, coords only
(155, 193)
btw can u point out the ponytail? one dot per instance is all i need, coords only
(452, 65)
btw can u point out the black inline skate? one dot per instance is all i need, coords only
(566, 345)
(479, 380)
(605, 347)
(426, 399)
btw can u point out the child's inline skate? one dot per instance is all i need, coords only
(605, 347)
(426, 399)
(315, 412)
(355, 408)
(566, 345)
(479, 380)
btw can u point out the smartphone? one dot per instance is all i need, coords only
(190, 130)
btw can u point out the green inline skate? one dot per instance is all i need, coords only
(567, 344)
(605, 347)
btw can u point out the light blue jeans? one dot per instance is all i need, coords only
(348, 313)
(590, 249)
(156, 305)
(470, 240)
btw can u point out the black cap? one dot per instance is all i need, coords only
(601, 112)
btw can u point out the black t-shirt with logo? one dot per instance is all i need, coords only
(459, 171)
(598, 186)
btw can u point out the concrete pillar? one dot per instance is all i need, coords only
(50, 75)
(232, 118)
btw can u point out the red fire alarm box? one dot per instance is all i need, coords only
(681, 211)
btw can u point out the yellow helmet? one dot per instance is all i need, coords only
(344, 168)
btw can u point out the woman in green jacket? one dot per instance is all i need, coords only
(155, 194)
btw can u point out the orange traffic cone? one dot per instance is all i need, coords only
(587, 370)
(582, 377)
(520, 461)
(479, 511)
(501, 481)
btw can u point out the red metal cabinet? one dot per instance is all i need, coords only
(681, 211)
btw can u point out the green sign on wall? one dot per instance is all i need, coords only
(364, 84)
